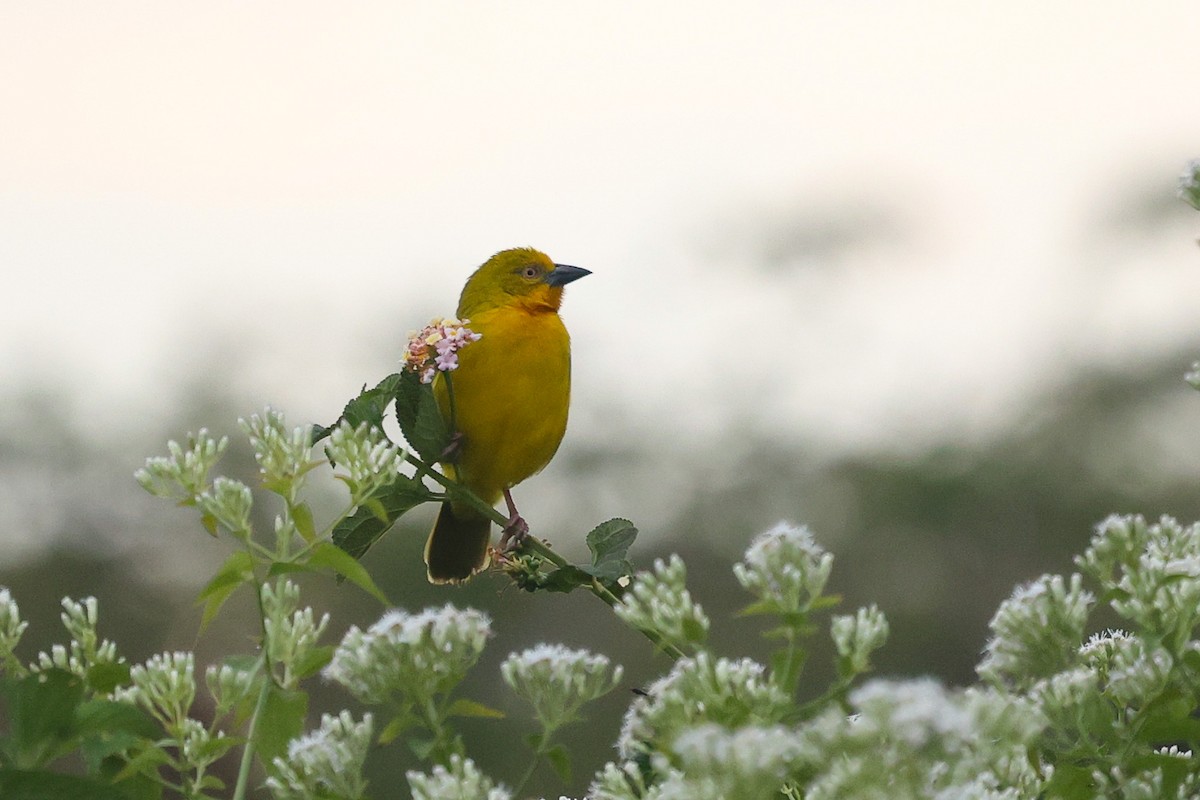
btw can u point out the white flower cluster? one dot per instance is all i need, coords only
(229, 685)
(917, 739)
(184, 473)
(1161, 590)
(785, 569)
(1036, 631)
(558, 681)
(325, 763)
(86, 649)
(700, 690)
(462, 780)
(749, 763)
(12, 628)
(1189, 183)
(369, 460)
(659, 601)
(291, 634)
(857, 636)
(414, 656)
(282, 454)
(165, 686)
(228, 501)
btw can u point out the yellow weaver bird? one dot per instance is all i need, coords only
(511, 393)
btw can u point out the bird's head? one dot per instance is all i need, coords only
(519, 277)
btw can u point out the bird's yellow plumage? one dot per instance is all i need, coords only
(511, 392)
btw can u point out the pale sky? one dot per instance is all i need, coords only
(311, 180)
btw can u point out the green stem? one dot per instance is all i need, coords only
(538, 753)
(243, 779)
(533, 545)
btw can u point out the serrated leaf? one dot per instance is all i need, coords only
(609, 542)
(356, 533)
(560, 760)
(237, 569)
(330, 555)
(282, 720)
(370, 406)
(420, 418)
(37, 785)
(469, 708)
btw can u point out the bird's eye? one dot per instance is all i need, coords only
(530, 272)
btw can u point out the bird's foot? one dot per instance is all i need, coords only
(453, 450)
(514, 533)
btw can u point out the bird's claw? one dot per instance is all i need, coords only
(514, 533)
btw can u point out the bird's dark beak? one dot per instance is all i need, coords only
(563, 274)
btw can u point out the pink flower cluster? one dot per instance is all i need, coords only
(435, 347)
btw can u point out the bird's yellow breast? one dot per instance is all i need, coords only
(511, 394)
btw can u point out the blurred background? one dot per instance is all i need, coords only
(912, 274)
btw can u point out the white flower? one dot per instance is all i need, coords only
(697, 690)
(1189, 183)
(785, 569)
(184, 473)
(325, 763)
(857, 636)
(557, 681)
(461, 781)
(282, 454)
(368, 459)
(750, 762)
(411, 655)
(165, 686)
(659, 601)
(291, 634)
(1036, 631)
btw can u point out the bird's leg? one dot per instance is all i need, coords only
(516, 530)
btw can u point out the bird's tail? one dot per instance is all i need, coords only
(458, 545)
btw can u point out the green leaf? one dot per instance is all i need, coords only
(302, 516)
(420, 418)
(422, 748)
(560, 760)
(609, 542)
(105, 677)
(282, 720)
(370, 407)
(356, 533)
(397, 726)
(469, 708)
(41, 711)
(237, 570)
(313, 662)
(330, 555)
(565, 579)
(146, 762)
(35, 785)
(108, 728)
